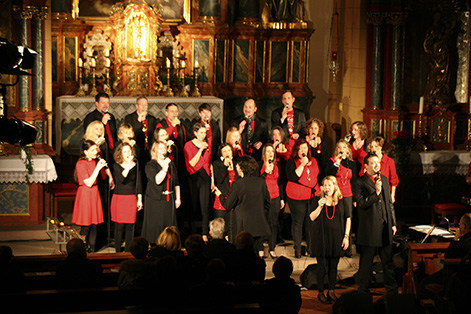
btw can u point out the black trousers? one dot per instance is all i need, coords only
(300, 222)
(201, 194)
(366, 263)
(118, 235)
(273, 215)
(326, 265)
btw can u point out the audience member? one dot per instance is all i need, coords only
(77, 271)
(168, 244)
(139, 272)
(194, 263)
(218, 246)
(281, 294)
(248, 267)
(11, 277)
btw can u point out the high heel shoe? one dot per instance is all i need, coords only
(331, 296)
(261, 254)
(321, 296)
(297, 254)
(272, 254)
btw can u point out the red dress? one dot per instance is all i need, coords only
(87, 206)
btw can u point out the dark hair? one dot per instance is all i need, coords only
(299, 142)
(6, 255)
(248, 165)
(139, 247)
(283, 267)
(197, 126)
(319, 123)
(86, 144)
(288, 91)
(118, 153)
(76, 248)
(368, 156)
(101, 95)
(204, 106)
(282, 133)
(141, 97)
(222, 146)
(170, 105)
(156, 133)
(194, 244)
(244, 240)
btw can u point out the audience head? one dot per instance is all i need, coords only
(244, 241)
(204, 111)
(215, 270)
(225, 150)
(124, 152)
(250, 108)
(277, 135)
(359, 130)
(94, 131)
(343, 147)
(139, 247)
(330, 187)
(465, 224)
(170, 239)
(125, 132)
(314, 127)
(217, 228)
(247, 165)
(76, 248)
(283, 267)
(6, 255)
(300, 148)
(102, 102)
(269, 153)
(194, 244)
(233, 136)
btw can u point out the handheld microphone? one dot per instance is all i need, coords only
(99, 158)
(286, 106)
(378, 177)
(206, 141)
(304, 155)
(270, 161)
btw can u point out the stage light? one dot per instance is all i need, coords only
(15, 59)
(17, 132)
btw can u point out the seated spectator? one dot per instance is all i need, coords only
(281, 294)
(248, 267)
(214, 292)
(11, 277)
(459, 248)
(219, 247)
(140, 271)
(168, 243)
(194, 263)
(77, 271)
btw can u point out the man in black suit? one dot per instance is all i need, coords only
(376, 224)
(102, 104)
(291, 119)
(143, 125)
(254, 130)
(212, 129)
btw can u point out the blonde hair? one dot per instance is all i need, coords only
(349, 149)
(337, 195)
(229, 134)
(264, 151)
(155, 148)
(170, 239)
(123, 128)
(90, 131)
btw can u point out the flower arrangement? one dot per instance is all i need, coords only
(402, 143)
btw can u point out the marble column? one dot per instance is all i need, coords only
(38, 69)
(24, 84)
(377, 71)
(396, 19)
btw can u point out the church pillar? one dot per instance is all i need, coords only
(377, 71)
(396, 19)
(38, 69)
(24, 84)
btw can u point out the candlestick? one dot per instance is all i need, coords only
(197, 64)
(93, 63)
(183, 92)
(196, 91)
(81, 92)
(107, 52)
(421, 105)
(168, 63)
(168, 92)
(93, 92)
(80, 63)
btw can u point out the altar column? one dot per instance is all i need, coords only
(396, 19)
(377, 71)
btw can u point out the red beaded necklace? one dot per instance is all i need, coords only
(327, 214)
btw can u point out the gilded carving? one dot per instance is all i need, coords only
(30, 12)
(375, 18)
(396, 18)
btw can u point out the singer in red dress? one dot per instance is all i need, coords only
(88, 211)
(330, 235)
(127, 197)
(233, 138)
(198, 164)
(162, 196)
(301, 171)
(270, 171)
(357, 139)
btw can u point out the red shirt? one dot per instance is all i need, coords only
(191, 150)
(290, 122)
(217, 201)
(358, 155)
(302, 190)
(271, 180)
(344, 176)
(209, 134)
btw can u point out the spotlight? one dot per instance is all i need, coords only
(17, 132)
(15, 59)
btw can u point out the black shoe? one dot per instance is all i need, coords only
(297, 254)
(331, 296)
(322, 298)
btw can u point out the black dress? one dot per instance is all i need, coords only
(328, 231)
(159, 209)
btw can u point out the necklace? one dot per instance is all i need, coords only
(327, 214)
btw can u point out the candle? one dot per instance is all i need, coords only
(80, 63)
(107, 52)
(108, 63)
(168, 63)
(183, 64)
(197, 64)
(93, 63)
(160, 53)
(421, 105)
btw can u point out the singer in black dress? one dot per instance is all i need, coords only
(314, 130)
(198, 164)
(330, 235)
(162, 194)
